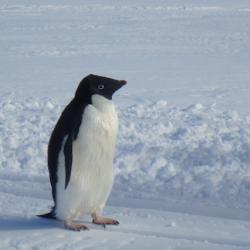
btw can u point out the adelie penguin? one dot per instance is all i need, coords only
(81, 151)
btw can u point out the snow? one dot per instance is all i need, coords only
(198, 152)
(183, 153)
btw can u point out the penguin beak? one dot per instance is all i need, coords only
(122, 82)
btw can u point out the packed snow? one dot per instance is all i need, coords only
(182, 164)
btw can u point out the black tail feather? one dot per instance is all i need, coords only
(49, 215)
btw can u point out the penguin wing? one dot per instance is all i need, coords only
(68, 158)
(72, 136)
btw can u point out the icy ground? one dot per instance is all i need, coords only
(183, 154)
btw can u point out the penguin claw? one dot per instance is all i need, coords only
(98, 223)
(116, 222)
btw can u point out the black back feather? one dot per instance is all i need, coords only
(68, 158)
(67, 125)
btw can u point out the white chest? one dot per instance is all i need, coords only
(95, 145)
(98, 129)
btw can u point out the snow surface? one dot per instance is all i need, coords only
(183, 154)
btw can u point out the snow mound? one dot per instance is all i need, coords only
(25, 126)
(197, 153)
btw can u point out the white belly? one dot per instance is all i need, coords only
(92, 167)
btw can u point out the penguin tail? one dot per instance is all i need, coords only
(49, 215)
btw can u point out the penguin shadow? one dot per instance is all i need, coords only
(16, 223)
(12, 223)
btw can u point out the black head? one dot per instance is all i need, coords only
(93, 84)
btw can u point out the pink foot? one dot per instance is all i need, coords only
(104, 221)
(74, 226)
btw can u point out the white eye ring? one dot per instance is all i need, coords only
(100, 86)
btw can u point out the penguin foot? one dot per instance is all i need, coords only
(74, 226)
(104, 221)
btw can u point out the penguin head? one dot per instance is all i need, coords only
(100, 85)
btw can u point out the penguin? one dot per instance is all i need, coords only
(81, 151)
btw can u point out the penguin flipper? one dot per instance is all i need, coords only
(68, 158)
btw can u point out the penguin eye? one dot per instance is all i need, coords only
(100, 86)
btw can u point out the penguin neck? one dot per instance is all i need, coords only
(101, 103)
